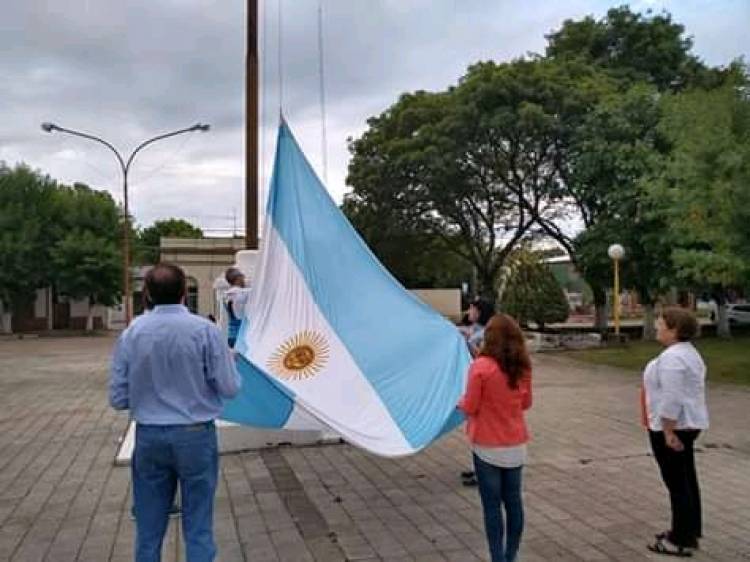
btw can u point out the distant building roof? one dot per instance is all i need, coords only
(201, 244)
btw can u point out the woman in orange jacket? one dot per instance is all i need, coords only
(497, 395)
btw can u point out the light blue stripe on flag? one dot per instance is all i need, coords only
(261, 403)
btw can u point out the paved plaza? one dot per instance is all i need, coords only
(592, 492)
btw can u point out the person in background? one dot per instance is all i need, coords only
(674, 411)
(496, 399)
(480, 311)
(172, 370)
(235, 299)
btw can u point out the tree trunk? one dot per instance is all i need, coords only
(649, 327)
(6, 322)
(504, 276)
(722, 321)
(722, 325)
(486, 288)
(50, 309)
(601, 312)
(90, 318)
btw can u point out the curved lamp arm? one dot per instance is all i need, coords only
(144, 144)
(50, 127)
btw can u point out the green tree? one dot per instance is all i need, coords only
(25, 217)
(46, 233)
(477, 165)
(616, 149)
(532, 293)
(704, 188)
(415, 258)
(520, 148)
(79, 207)
(635, 48)
(89, 267)
(147, 244)
(86, 254)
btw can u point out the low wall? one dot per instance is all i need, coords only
(446, 301)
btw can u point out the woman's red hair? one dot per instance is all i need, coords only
(505, 343)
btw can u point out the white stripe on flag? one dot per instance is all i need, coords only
(287, 321)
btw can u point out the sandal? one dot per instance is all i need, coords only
(664, 546)
(667, 534)
(467, 474)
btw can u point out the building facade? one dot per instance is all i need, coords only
(55, 312)
(203, 260)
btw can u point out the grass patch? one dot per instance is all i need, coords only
(727, 360)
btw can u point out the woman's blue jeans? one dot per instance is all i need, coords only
(501, 488)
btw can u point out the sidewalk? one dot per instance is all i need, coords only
(591, 490)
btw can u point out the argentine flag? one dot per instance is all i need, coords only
(332, 335)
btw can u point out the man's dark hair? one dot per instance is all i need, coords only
(165, 284)
(232, 275)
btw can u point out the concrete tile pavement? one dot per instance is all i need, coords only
(592, 492)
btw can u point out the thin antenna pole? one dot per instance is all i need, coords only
(263, 105)
(281, 55)
(321, 66)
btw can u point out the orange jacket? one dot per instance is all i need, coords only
(495, 411)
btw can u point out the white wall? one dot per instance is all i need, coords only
(446, 301)
(80, 309)
(40, 303)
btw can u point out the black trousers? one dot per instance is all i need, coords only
(678, 472)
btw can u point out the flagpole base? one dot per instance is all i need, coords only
(234, 438)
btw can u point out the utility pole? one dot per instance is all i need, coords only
(251, 128)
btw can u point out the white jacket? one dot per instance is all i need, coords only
(675, 385)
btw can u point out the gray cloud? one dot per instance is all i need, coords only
(128, 70)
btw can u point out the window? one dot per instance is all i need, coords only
(191, 299)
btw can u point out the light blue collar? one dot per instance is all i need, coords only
(170, 309)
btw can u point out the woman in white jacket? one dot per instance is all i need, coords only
(675, 412)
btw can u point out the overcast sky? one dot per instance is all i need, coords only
(129, 69)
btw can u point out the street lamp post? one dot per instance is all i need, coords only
(124, 168)
(616, 253)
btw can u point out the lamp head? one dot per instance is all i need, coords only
(616, 251)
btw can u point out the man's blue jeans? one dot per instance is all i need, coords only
(498, 488)
(165, 455)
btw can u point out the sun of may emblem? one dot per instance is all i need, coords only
(300, 357)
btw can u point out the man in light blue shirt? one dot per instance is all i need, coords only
(172, 370)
